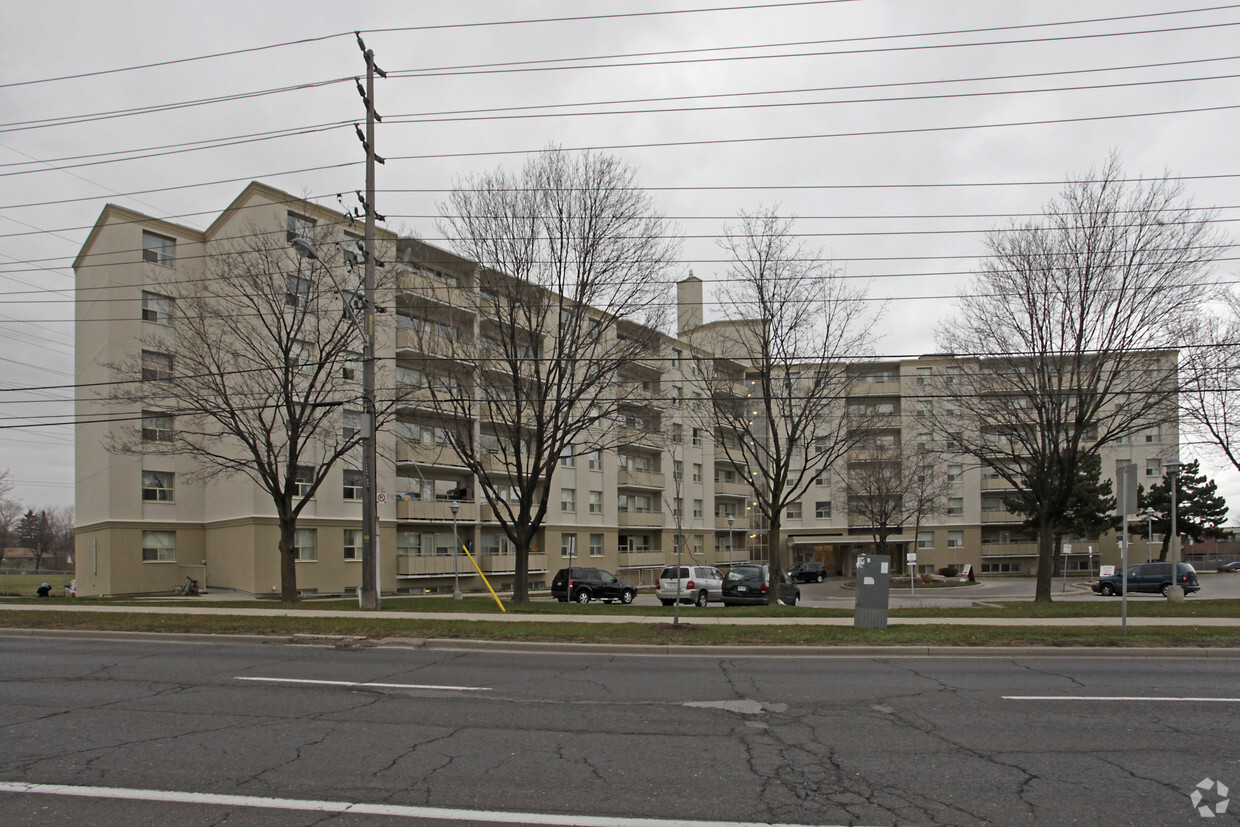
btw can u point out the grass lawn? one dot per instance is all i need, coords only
(21, 584)
(631, 633)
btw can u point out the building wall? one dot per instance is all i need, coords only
(230, 524)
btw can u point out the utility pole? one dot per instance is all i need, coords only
(369, 597)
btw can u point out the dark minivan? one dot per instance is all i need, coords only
(1152, 578)
(746, 585)
(583, 585)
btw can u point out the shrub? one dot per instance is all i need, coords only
(948, 571)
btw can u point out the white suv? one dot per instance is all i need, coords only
(698, 585)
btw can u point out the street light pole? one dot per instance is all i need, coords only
(1175, 594)
(731, 539)
(1150, 514)
(456, 550)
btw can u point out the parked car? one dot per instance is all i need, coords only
(1230, 568)
(746, 585)
(1151, 578)
(808, 572)
(581, 585)
(698, 585)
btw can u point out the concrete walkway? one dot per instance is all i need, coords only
(687, 616)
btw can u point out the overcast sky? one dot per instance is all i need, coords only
(898, 132)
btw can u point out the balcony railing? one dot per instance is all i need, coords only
(641, 559)
(640, 519)
(423, 285)
(994, 549)
(741, 524)
(437, 510)
(426, 454)
(640, 479)
(732, 489)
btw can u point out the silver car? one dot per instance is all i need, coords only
(698, 585)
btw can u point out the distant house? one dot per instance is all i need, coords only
(20, 558)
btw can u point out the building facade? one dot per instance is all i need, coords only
(144, 524)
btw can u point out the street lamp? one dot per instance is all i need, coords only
(1175, 594)
(456, 548)
(1149, 514)
(731, 541)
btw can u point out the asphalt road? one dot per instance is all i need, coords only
(133, 731)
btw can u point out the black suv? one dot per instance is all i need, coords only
(808, 572)
(584, 585)
(1148, 577)
(746, 585)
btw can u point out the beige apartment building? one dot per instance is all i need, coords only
(144, 525)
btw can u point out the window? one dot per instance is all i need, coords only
(596, 545)
(296, 291)
(157, 486)
(675, 359)
(641, 503)
(678, 507)
(351, 366)
(568, 545)
(156, 365)
(408, 543)
(678, 433)
(156, 308)
(677, 395)
(158, 249)
(156, 427)
(925, 539)
(1006, 568)
(923, 376)
(299, 227)
(822, 510)
(955, 539)
(821, 481)
(596, 502)
(353, 544)
(953, 473)
(567, 460)
(303, 480)
(595, 461)
(697, 508)
(698, 545)
(159, 546)
(697, 472)
(678, 469)
(352, 421)
(300, 354)
(955, 506)
(725, 509)
(304, 544)
(1153, 467)
(568, 499)
(793, 511)
(697, 436)
(821, 444)
(354, 483)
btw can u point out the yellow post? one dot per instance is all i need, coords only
(484, 579)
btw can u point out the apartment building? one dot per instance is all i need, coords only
(147, 522)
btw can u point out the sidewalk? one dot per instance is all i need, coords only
(687, 617)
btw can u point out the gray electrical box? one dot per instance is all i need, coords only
(873, 590)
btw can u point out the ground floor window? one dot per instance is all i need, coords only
(1000, 568)
(304, 545)
(352, 544)
(159, 546)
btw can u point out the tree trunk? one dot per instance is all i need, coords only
(1166, 546)
(288, 560)
(776, 561)
(1046, 561)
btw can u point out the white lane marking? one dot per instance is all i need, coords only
(391, 810)
(1117, 698)
(369, 684)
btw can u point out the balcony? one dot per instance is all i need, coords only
(426, 454)
(435, 511)
(642, 559)
(741, 524)
(425, 566)
(640, 479)
(994, 549)
(640, 519)
(996, 484)
(999, 515)
(507, 563)
(732, 489)
(424, 286)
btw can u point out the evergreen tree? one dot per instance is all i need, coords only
(1199, 508)
(1090, 510)
(35, 533)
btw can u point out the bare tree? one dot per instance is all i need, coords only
(1210, 378)
(892, 485)
(777, 393)
(10, 512)
(560, 339)
(256, 374)
(1066, 337)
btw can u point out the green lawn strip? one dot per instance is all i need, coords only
(629, 633)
